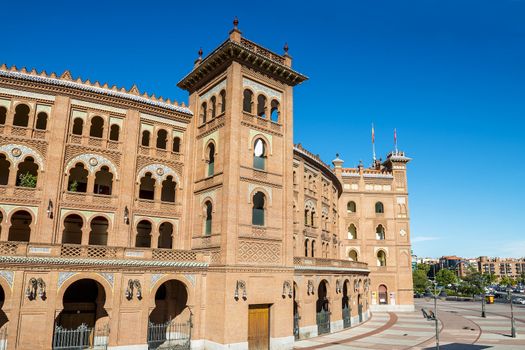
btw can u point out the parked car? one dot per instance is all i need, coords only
(518, 301)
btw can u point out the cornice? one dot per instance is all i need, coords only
(231, 50)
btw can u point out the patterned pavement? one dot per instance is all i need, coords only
(461, 327)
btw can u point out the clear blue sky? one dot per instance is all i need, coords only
(449, 75)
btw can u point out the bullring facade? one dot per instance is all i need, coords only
(133, 222)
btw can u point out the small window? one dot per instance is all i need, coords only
(208, 208)
(211, 159)
(97, 127)
(145, 138)
(78, 126)
(176, 144)
(223, 101)
(204, 111)
(3, 115)
(21, 117)
(247, 101)
(261, 106)
(162, 139)
(259, 154)
(41, 121)
(352, 232)
(379, 208)
(352, 255)
(381, 258)
(114, 132)
(213, 102)
(351, 207)
(274, 112)
(380, 233)
(258, 209)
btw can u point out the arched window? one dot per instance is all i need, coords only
(261, 106)
(20, 229)
(78, 126)
(313, 248)
(97, 127)
(145, 138)
(176, 144)
(259, 154)
(162, 139)
(147, 187)
(3, 115)
(380, 232)
(213, 101)
(383, 294)
(103, 181)
(208, 209)
(21, 117)
(247, 101)
(143, 238)
(204, 112)
(306, 247)
(5, 166)
(165, 235)
(114, 132)
(72, 233)
(223, 101)
(352, 232)
(211, 159)
(27, 174)
(258, 209)
(99, 231)
(312, 218)
(168, 190)
(41, 121)
(306, 217)
(351, 207)
(381, 258)
(274, 111)
(78, 178)
(380, 209)
(352, 255)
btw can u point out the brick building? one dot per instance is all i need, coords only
(133, 222)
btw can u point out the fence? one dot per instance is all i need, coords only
(83, 337)
(169, 335)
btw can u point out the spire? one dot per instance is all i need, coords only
(235, 33)
(199, 59)
(373, 144)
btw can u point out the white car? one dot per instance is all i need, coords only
(518, 301)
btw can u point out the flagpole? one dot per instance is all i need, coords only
(395, 140)
(373, 144)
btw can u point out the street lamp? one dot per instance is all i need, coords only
(482, 285)
(512, 327)
(435, 295)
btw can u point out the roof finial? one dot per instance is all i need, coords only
(235, 23)
(337, 155)
(200, 53)
(285, 47)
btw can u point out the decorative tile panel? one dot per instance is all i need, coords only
(159, 172)
(260, 88)
(92, 162)
(63, 276)
(17, 153)
(214, 90)
(108, 277)
(9, 276)
(259, 252)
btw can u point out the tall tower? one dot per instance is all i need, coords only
(239, 205)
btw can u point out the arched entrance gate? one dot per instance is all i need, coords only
(83, 322)
(323, 309)
(169, 325)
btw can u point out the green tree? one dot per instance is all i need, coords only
(27, 180)
(444, 277)
(508, 281)
(423, 267)
(420, 280)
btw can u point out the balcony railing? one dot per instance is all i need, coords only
(95, 142)
(320, 262)
(97, 252)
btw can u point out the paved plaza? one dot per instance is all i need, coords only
(461, 327)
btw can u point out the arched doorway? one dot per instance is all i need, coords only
(83, 321)
(20, 229)
(296, 316)
(383, 294)
(72, 233)
(3, 321)
(345, 303)
(170, 321)
(323, 308)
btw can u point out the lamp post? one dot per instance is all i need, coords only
(482, 286)
(512, 327)
(435, 295)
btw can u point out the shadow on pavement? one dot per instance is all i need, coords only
(459, 346)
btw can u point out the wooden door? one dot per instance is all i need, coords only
(259, 327)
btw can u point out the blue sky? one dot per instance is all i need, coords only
(449, 75)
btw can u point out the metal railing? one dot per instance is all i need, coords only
(169, 335)
(83, 337)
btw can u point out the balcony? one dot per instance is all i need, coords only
(90, 198)
(95, 142)
(262, 122)
(172, 207)
(312, 232)
(305, 263)
(206, 241)
(26, 249)
(20, 193)
(160, 153)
